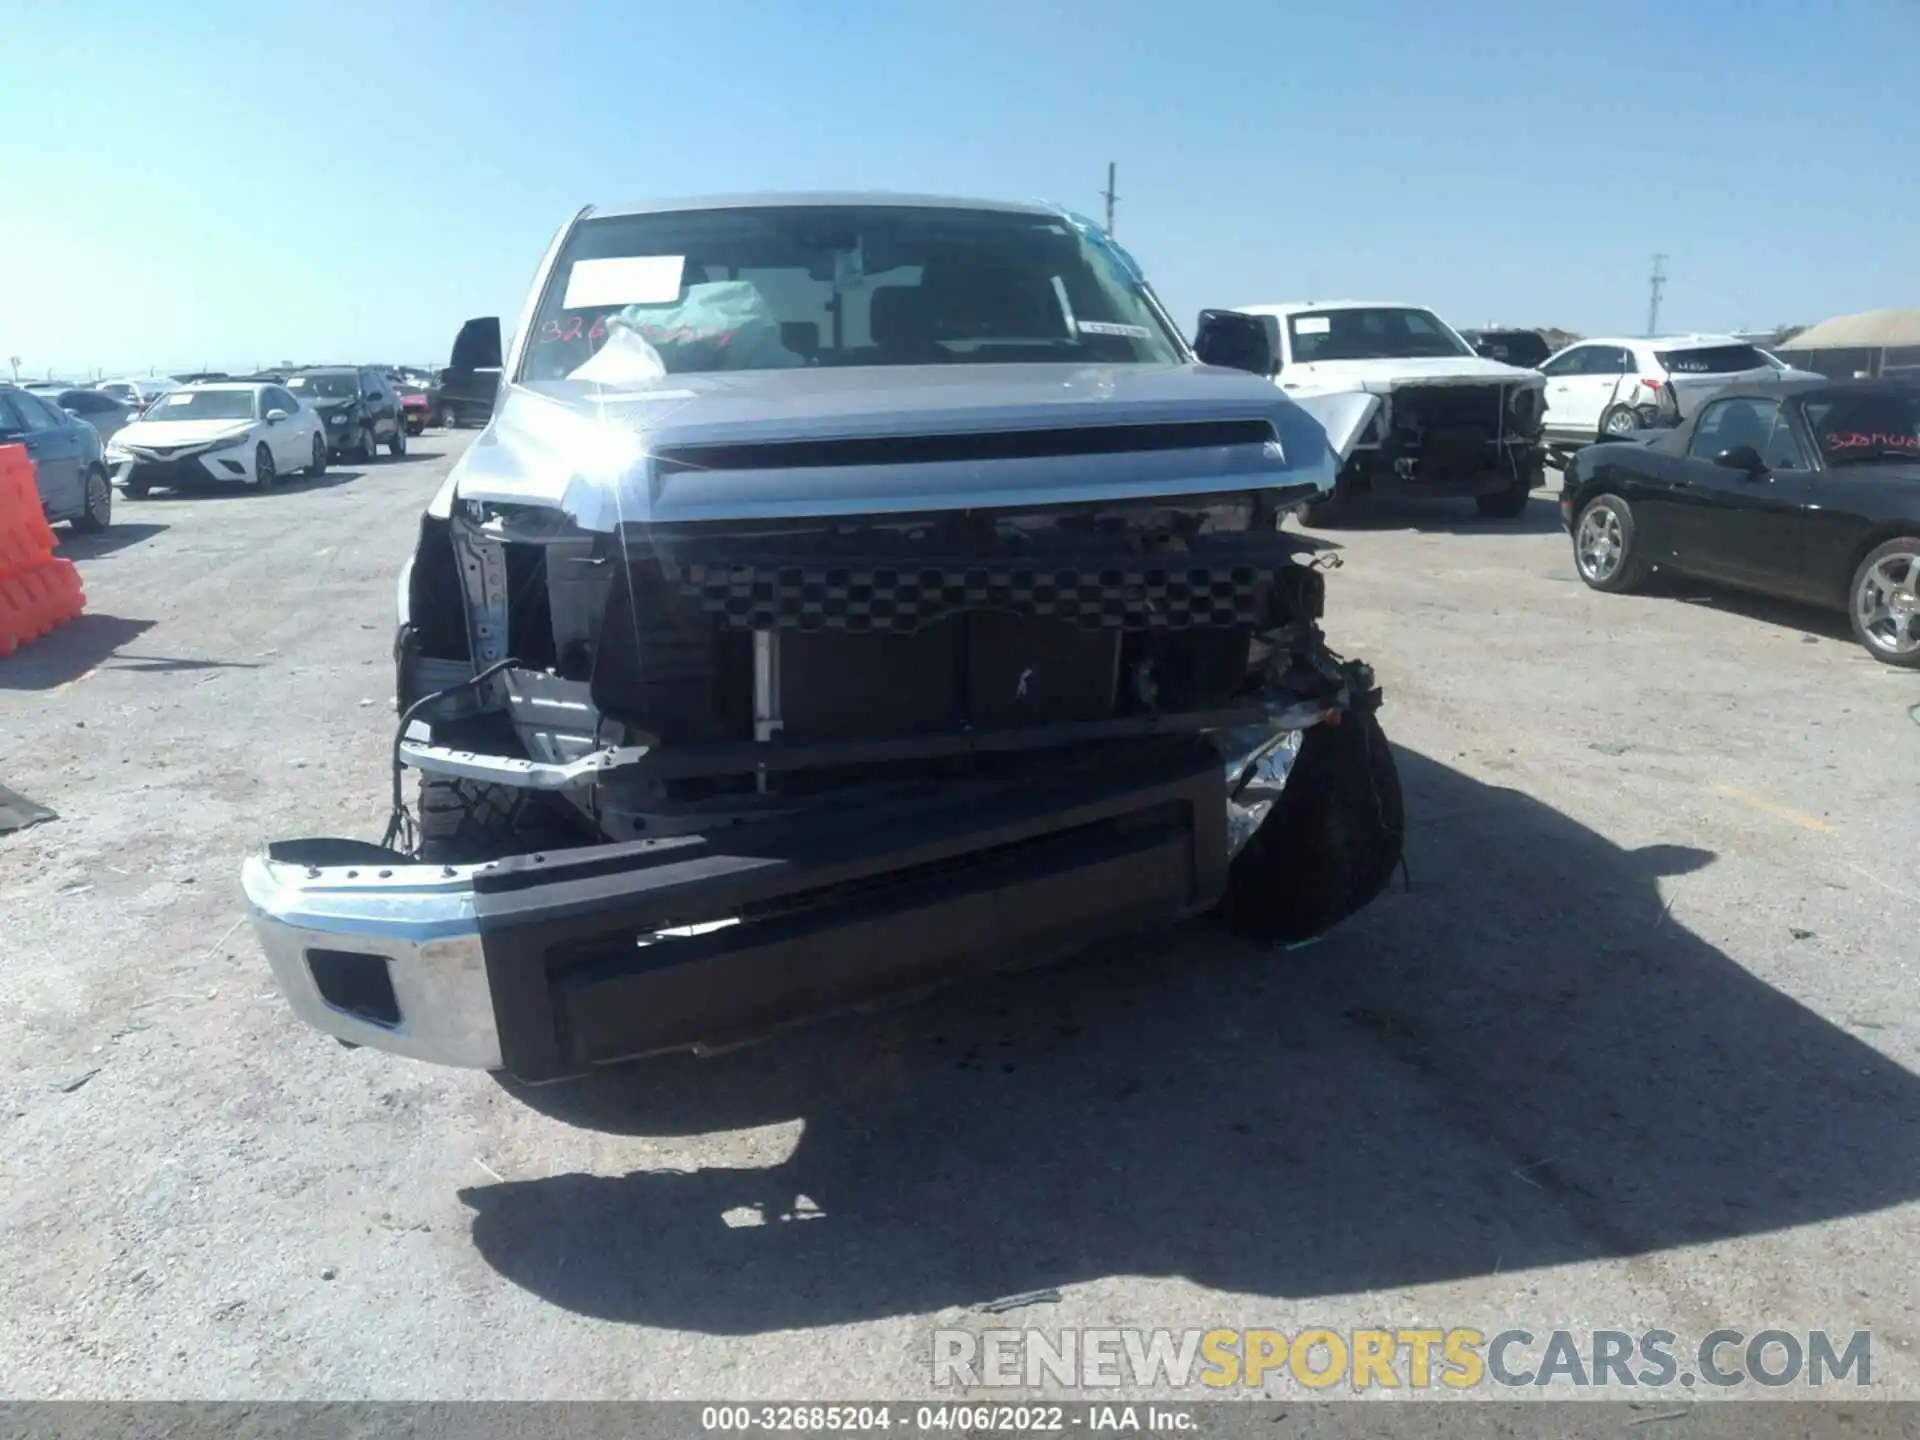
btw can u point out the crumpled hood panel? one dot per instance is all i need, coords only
(587, 449)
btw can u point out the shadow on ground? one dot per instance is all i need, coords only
(1541, 517)
(69, 652)
(77, 545)
(1521, 1062)
(1809, 621)
(286, 484)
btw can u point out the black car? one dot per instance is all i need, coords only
(67, 453)
(358, 406)
(1525, 348)
(1808, 490)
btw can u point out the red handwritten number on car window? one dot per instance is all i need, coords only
(1860, 440)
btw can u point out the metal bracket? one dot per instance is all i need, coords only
(766, 693)
(483, 582)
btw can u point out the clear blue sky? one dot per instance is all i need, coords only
(238, 183)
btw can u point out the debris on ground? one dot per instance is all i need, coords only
(1020, 1302)
(17, 812)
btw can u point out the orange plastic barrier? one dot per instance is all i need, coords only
(37, 592)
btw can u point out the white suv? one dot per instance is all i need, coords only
(1612, 387)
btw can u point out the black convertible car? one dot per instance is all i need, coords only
(1808, 490)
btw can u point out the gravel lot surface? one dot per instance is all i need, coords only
(1636, 1048)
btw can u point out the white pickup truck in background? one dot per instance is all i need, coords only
(1450, 422)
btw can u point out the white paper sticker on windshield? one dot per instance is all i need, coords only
(182, 399)
(1312, 325)
(624, 280)
(1104, 327)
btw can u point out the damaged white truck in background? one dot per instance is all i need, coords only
(1451, 423)
(849, 593)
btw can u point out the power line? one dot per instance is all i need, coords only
(1109, 195)
(1656, 282)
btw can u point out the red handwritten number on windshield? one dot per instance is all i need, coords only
(571, 327)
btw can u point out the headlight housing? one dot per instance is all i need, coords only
(232, 442)
(1528, 406)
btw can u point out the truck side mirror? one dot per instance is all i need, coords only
(1235, 341)
(1743, 458)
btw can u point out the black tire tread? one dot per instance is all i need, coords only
(463, 821)
(1508, 504)
(1329, 845)
(85, 522)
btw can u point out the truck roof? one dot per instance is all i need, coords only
(815, 197)
(1294, 307)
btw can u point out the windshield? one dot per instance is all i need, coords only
(1713, 360)
(325, 387)
(1857, 428)
(762, 288)
(203, 405)
(1380, 333)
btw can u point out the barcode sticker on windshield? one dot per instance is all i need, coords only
(1312, 325)
(1104, 327)
(624, 280)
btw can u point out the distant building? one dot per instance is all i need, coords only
(1875, 342)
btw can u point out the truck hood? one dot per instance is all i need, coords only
(1382, 377)
(594, 450)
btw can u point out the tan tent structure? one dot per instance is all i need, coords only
(1874, 342)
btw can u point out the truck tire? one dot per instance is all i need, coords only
(1508, 504)
(1329, 845)
(1331, 511)
(466, 821)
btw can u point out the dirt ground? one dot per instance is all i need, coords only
(1635, 1049)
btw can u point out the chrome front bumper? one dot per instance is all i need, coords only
(454, 957)
(418, 918)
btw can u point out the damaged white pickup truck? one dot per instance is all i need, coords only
(1451, 423)
(849, 593)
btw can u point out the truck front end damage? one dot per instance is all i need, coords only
(707, 777)
(875, 594)
(1454, 439)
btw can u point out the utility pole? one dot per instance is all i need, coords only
(1656, 282)
(1109, 196)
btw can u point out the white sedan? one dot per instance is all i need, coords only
(232, 434)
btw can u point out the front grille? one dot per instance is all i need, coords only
(1421, 408)
(1135, 595)
(168, 472)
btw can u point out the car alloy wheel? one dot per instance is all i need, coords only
(1599, 544)
(1886, 602)
(1620, 421)
(263, 474)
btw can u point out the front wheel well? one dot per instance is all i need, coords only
(1876, 536)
